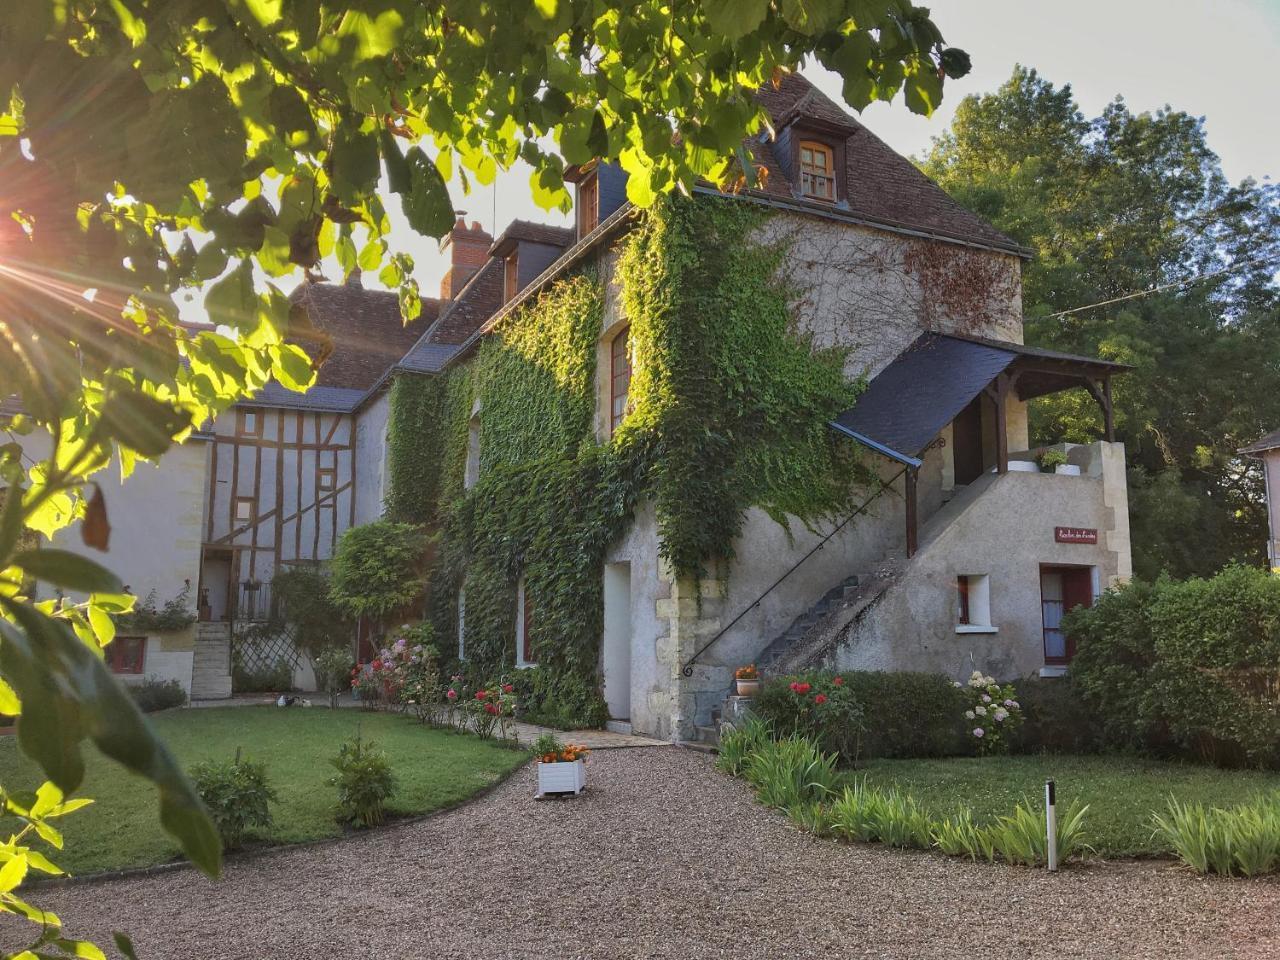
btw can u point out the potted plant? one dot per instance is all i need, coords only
(747, 680)
(561, 766)
(1055, 460)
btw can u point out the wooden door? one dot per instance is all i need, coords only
(966, 443)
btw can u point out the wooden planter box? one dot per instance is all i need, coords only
(561, 778)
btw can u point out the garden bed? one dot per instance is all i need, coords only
(1122, 792)
(434, 769)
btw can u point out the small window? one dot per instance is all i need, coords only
(244, 509)
(511, 278)
(817, 171)
(471, 471)
(588, 205)
(327, 477)
(462, 624)
(973, 604)
(126, 654)
(524, 627)
(619, 377)
(248, 423)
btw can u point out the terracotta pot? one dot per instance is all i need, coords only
(748, 688)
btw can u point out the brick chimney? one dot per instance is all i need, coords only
(468, 249)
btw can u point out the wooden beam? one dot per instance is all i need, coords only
(1003, 384)
(913, 518)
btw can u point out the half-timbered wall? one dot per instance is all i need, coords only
(281, 490)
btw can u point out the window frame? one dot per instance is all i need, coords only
(248, 423)
(235, 510)
(524, 645)
(826, 150)
(116, 659)
(616, 415)
(510, 275)
(973, 604)
(329, 473)
(462, 623)
(588, 205)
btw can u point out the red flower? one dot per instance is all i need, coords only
(838, 681)
(377, 664)
(490, 708)
(795, 687)
(481, 694)
(820, 698)
(801, 688)
(507, 688)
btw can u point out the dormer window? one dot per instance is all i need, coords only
(588, 205)
(817, 171)
(510, 278)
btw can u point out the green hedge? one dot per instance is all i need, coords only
(902, 714)
(1186, 668)
(1055, 718)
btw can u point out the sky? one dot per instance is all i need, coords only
(1211, 58)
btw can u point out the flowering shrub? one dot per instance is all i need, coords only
(992, 714)
(491, 710)
(405, 672)
(820, 706)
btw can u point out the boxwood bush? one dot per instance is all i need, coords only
(1187, 668)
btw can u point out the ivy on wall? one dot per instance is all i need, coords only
(729, 410)
(414, 448)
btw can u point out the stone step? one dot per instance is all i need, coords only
(708, 735)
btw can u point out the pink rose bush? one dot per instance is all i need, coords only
(993, 713)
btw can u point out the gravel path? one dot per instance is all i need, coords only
(663, 857)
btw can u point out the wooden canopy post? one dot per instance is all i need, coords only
(912, 512)
(1108, 410)
(1001, 395)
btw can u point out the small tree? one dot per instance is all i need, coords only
(377, 568)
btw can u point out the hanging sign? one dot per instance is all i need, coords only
(1075, 534)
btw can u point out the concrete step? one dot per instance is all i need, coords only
(698, 746)
(618, 726)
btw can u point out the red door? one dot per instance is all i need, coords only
(1062, 589)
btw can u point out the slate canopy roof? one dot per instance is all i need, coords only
(909, 402)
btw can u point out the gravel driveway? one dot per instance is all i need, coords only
(663, 857)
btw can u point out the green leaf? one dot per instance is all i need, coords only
(734, 19)
(426, 205)
(13, 873)
(375, 35)
(231, 301)
(125, 946)
(371, 255)
(811, 16)
(355, 161)
(923, 90)
(63, 568)
(142, 423)
(293, 368)
(266, 12)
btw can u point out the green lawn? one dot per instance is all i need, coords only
(1122, 792)
(433, 769)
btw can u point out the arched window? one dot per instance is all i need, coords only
(619, 377)
(817, 171)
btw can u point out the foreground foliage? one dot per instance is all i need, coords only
(1241, 840)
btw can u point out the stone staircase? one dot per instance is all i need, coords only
(211, 667)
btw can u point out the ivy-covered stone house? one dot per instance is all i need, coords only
(641, 441)
(785, 426)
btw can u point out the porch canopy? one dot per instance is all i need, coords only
(926, 386)
(930, 383)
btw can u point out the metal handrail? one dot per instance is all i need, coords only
(687, 669)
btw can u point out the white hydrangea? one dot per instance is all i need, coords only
(980, 710)
(969, 714)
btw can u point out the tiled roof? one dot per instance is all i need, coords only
(531, 232)
(368, 335)
(318, 398)
(882, 186)
(1270, 442)
(475, 303)
(426, 357)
